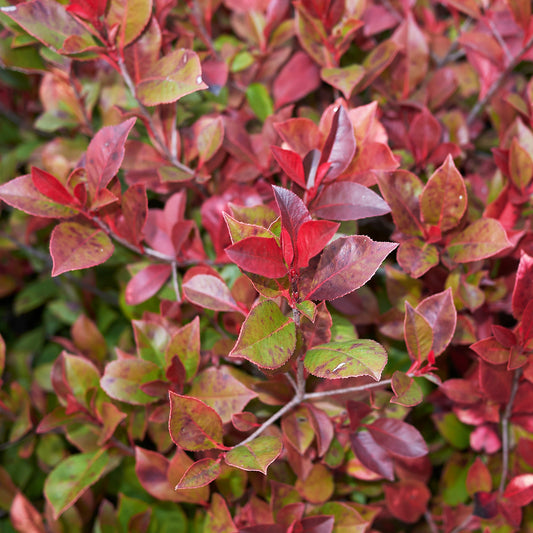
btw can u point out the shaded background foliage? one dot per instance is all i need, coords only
(185, 186)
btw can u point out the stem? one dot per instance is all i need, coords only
(505, 430)
(480, 105)
(175, 281)
(431, 523)
(285, 409)
(297, 400)
(359, 388)
(144, 112)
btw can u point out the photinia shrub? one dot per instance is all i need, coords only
(267, 266)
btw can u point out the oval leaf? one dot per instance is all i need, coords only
(210, 292)
(267, 337)
(72, 476)
(172, 77)
(345, 265)
(193, 425)
(443, 200)
(398, 437)
(22, 194)
(258, 255)
(257, 455)
(349, 201)
(346, 359)
(483, 238)
(199, 474)
(520, 490)
(122, 380)
(146, 283)
(74, 246)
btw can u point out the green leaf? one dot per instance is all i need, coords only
(407, 391)
(259, 100)
(347, 359)
(345, 79)
(74, 246)
(418, 334)
(123, 379)
(131, 15)
(200, 474)
(193, 425)
(49, 22)
(185, 345)
(416, 256)
(267, 337)
(257, 455)
(69, 480)
(172, 77)
(483, 238)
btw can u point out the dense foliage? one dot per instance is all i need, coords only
(267, 266)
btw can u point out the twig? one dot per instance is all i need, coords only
(499, 38)
(505, 429)
(175, 281)
(480, 105)
(285, 409)
(347, 390)
(298, 399)
(431, 523)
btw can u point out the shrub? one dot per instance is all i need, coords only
(291, 275)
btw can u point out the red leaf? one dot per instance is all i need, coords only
(193, 425)
(315, 524)
(345, 265)
(74, 246)
(495, 382)
(372, 455)
(439, 311)
(24, 517)
(151, 469)
(51, 187)
(478, 478)
(146, 283)
(340, 145)
(491, 350)
(425, 134)
(349, 201)
(443, 200)
(523, 288)
(299, 76)
(87, 9)
(291, 163)
(504, 336)
(22, 193)
(105, 154)
(407, 500)
(258, 255)
(293, 212)
(313, 236)
(520, 490)
(401, 189)
(210, 292)
(398, 437)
